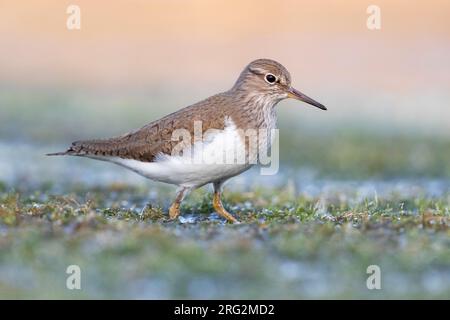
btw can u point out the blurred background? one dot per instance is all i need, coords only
(134, 61)
(381, 150)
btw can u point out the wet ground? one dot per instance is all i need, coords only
(302, 235)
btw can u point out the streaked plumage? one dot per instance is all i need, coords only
(249, 104)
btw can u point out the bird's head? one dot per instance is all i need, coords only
(268, 79)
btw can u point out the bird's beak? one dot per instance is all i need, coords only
(293, 93)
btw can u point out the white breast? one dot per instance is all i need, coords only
(213, 159)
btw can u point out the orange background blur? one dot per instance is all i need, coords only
(201, 46)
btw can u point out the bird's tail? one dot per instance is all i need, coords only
(96, 147)
(63, 153)
(69, 151)
(76, 149)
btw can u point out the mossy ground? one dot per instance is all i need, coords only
(349, 195)
(287, 246)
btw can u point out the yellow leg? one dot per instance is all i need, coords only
(174, 210)
(217, 203)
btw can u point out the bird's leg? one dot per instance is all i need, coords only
(174, 210)
(217, 204)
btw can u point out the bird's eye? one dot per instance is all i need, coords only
(270, 78)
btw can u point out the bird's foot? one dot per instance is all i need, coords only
(217, 204)
(225, 214)
(174, 211)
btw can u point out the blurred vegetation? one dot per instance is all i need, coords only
(347, 153)
(341, 150)
(288, 246)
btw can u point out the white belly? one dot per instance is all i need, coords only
(182, 174)
(211, 160)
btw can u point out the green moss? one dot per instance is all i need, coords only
(285, 247)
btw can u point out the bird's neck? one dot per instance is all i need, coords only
(256, 111)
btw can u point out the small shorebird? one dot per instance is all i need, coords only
(148, 151)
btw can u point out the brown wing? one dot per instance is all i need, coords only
(156, 137)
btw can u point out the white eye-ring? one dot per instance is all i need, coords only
(270, 78)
